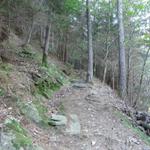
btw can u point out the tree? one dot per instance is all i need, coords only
(89, 44)
(46, 45)
(122, 58)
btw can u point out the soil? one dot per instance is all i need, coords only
(101, 129)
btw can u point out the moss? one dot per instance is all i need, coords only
(42, 112)
(127, 123)
(21, 137)
(46, 87)
(50, 80)
(21, 141)
(2, 91)
(6, 67)
(34, 111)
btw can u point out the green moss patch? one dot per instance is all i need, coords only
(34, 111)
(6, 67)
(48, 80)
(21, 137)
(2, 91)
(127, 123)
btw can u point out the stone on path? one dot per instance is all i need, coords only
(58, 120)
(74, 127)
(71, 123)
(79, 85)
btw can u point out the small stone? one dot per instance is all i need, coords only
(58, 120)
(134, 140)
(93, 143)
(79, 85)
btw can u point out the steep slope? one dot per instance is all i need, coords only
(25, 88)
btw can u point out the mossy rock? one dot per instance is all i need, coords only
(128, 123)
(19, 136)
(30, 111)
(35, 112)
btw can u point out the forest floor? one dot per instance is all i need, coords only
(101, 127)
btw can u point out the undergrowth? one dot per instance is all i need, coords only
(21, 137)
(49, 80)
(127, 123)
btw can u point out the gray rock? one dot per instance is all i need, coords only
(58, 120)
(74, 127)
(6, 141)
(35, 147)
(146, 148)
(79, 85)
(31, 111)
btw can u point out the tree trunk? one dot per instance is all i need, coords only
(141, 78)
(66, 49)
(42, 37)
(30, 33)
(122, 60)
(89, 45)
(128, 70)
(46, 46)
(105, 72)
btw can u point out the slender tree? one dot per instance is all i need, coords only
(89, 44)
(122, 57)
(46, 45)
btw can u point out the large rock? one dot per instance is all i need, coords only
(6, 141)
(31, 112)
(71, 123)
(74, 127)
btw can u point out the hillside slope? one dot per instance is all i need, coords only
(31, 94)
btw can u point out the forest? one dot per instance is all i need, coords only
(95, 53)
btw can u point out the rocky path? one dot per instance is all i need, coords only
(101, 129)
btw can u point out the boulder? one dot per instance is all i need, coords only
(74, 127)
(71, 123)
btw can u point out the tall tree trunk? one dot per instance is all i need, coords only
(122, 59)
(46, 46)
(89, 44)
(141, 78)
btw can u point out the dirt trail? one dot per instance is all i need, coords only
(101, 129)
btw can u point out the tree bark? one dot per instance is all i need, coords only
(122, 59)
(42, 36)
(89, 44)
(46, 46)
(30, 33)
(141, 78)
